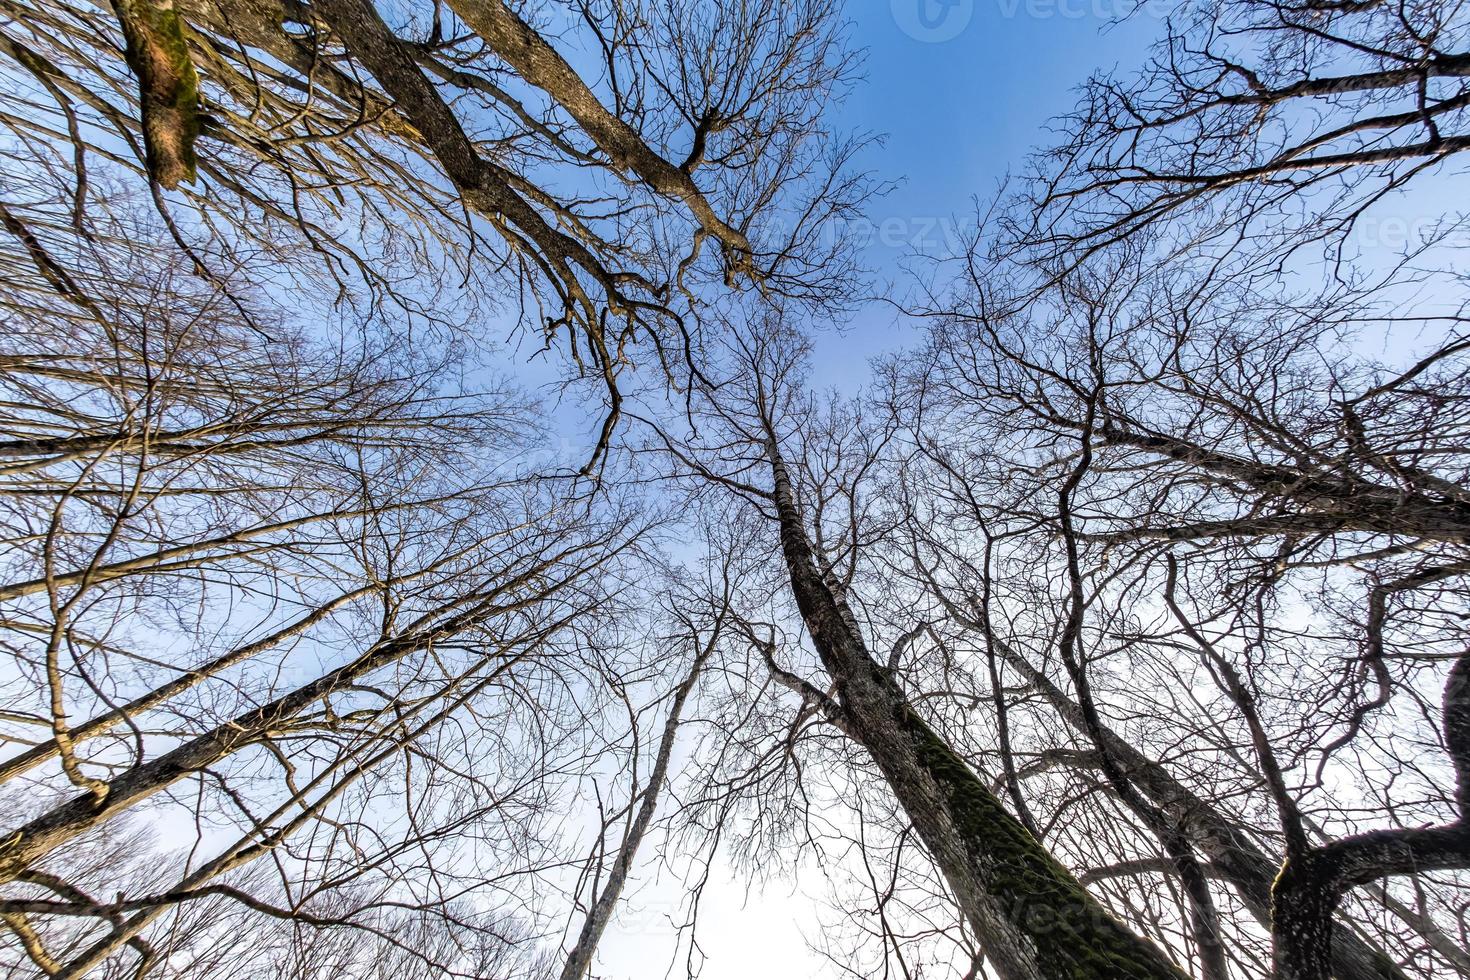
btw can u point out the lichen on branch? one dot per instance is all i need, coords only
(168, 86)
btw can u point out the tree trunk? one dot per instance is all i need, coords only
(1034, 921)
(579, 960)
(1232, 854)
(1302, 928)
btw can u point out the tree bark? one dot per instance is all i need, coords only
(1034, 921)
(168, 87)
(1231, 853)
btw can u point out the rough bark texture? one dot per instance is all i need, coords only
(1306, 904)
(1033, 919)
(1310, 888)
(158, 52)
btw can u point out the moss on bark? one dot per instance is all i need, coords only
(158, 52)
(1073, 935)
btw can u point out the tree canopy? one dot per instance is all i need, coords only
(1115, 628)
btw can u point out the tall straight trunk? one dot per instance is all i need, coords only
(579, 960)
(1232, 854)
(1033, 919)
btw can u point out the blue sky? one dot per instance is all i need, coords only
(960, 96)
(960, 103)
(958, 112)
(958, 106)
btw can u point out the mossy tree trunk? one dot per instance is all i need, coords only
(168, 86)
(1033, 919)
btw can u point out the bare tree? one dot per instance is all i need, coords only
(1031, 918)
(1246, 111)
(463, 138)
(305, 599)
(692, 617)
(1229, 461)
(1120, 632)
